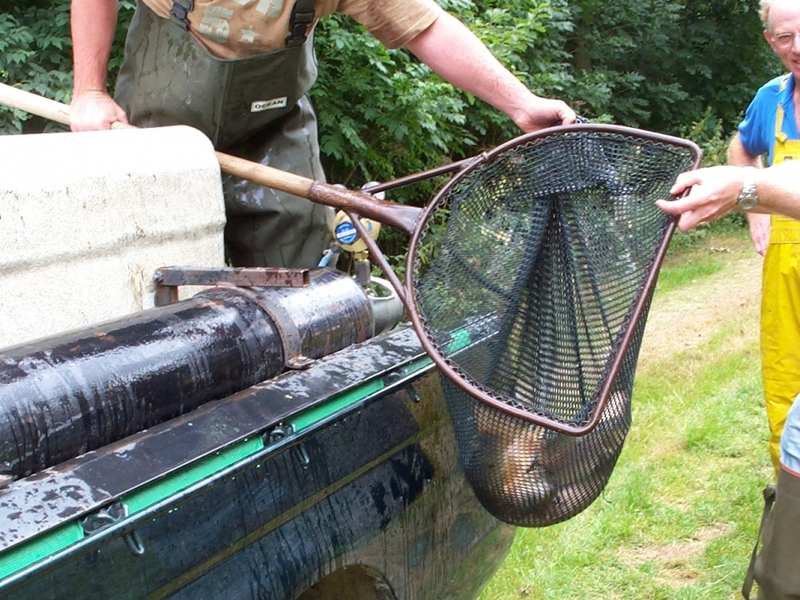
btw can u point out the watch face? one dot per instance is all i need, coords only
(747, 202)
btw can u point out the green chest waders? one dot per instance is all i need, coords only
(255, 108)
(776, 567)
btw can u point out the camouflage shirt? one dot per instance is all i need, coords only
(241, 28)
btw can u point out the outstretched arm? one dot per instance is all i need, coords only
(93, 23)
(459, 57)
(714, 191)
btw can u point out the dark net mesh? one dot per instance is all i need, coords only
(537, 297)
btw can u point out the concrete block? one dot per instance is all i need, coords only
(87, 218)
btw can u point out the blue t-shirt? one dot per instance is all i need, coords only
(757, 130)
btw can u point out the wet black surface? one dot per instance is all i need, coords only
(45, 500)
(382, 491)
(80, 391)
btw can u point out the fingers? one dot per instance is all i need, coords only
(684, 181)
(694, 209)
(566, 115)
(688, 218)
(540, 113)
(759, 231)
(688, 215)
(712, 193)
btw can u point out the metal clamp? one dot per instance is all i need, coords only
(112, 515)
(287, 329)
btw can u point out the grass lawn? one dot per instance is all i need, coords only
(678, 518)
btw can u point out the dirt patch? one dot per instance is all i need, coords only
(674, 564)
(689, 316)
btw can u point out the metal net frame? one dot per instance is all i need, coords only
(535, 303)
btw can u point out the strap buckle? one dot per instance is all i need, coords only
(179, 13)
(299, 23)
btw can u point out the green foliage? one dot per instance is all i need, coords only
(35, 55)
(380, 112)
(383, 114)
(723, 58)
(657, 64)
(516, 32)
(661, 64)
(709, 134)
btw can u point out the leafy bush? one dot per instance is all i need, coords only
(36, 55)
(710, 135)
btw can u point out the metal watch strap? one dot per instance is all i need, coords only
(748, 197)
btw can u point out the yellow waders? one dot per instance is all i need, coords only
(780, 308)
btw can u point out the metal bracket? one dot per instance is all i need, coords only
(286, 327)
(110, 516)
(395, 377)
(413, 394)
(168, 279)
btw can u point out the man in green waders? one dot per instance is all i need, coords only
(239, 71)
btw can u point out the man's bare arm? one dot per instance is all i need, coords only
(713, 192)
(738, 156)
(93, 23)
(459, 57)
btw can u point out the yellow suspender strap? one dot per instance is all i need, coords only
(779, 135)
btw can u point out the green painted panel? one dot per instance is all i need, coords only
(155, 492)
(39, 548)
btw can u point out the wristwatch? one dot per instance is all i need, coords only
(748, 198)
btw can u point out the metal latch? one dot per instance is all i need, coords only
(110, 516)
(279, 432)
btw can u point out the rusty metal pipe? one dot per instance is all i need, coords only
(76, 392)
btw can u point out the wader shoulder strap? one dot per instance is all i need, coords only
(779, 135)
(179, 14)
(299, 23)
(769, 500)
